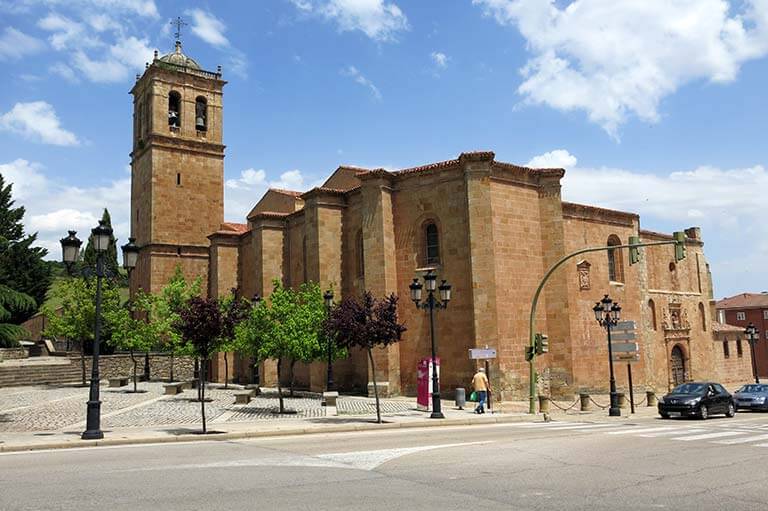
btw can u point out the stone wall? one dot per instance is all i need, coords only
(13, 353)
(120, 365)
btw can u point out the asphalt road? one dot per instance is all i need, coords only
(645, 464)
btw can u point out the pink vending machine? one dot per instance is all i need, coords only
(424, 383)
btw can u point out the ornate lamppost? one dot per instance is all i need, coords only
(753, 335)
(607, 314)
(255, 302)
(430, 304)
(130, 258)
(328, 298)
(101, 237)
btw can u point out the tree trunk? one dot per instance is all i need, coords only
(197, 377)
(226, 371)
(293, 363)
(279, 388)
(201, 390)
(375, 388)
(82, 360)
(170, 376)
(135, 376)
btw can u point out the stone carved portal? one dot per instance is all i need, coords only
(583, 270)
(677, 337)
(677, 366)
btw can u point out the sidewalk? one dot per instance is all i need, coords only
(36, 418)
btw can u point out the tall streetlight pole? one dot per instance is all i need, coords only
(130, 258)
(328, 298)
(607, 314)
(101, 237)
(255, 302)
(432, 303)
(753, 334)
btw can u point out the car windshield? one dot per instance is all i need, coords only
(690, 388)
(754, 388)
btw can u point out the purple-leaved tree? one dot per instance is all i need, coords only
(366, 323)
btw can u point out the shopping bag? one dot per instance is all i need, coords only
(473, 396)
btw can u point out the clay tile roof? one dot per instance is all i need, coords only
(723, 327)
(233, 227)
(744, 301)
(287, 192)
(430, 166)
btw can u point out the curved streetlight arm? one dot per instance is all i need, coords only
(532, 336)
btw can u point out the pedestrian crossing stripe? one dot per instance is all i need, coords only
(707, 436)
(742, 440)
(673, 432)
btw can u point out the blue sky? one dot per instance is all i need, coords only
(653, 106)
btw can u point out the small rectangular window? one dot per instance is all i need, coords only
(766, 334)
(765, 314)
(739, 348)
(726, 352)
(741, 316)
(178, 179)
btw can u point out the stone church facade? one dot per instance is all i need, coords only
(492, 229)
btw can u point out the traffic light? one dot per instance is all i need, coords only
(542, 344)
(679, 246)
(634, 252)
(528, 353)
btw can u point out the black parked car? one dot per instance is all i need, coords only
(697, 399)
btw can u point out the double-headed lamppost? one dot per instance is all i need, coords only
(101, 236)
(130, 258)
(328, 298)
(607, 314)
(432, 303)
(753, 335)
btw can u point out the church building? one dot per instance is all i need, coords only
(491, 229)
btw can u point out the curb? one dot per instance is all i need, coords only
(334, 428)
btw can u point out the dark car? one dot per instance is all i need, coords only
(697, 399)
(753, 396)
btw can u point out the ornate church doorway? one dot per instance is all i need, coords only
(678, 365)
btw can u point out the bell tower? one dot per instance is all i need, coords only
(177, 168)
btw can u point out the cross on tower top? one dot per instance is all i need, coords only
(178, 22)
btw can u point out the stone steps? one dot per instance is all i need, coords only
(39, 374)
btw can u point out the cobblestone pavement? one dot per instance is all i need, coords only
(62, 408)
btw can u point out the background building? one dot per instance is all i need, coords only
(746, 308)
(490, 228)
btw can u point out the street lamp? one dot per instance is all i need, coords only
(752, 334)
(432, 303)
(101, 237)
(255, 302)
(130, 258)
(607, 314)
(328, 298)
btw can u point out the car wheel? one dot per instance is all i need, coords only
(731, 410)
(703, 412)
(664, 415)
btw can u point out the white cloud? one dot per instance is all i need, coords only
(354, 73)
(132, 52)
(440, 59)
(727, 204)
(101, 71)
(208, 27)
(50, 205)
(617, 59)
(67, 33)
(243, 192)
(290, 180)
(378, 19)
(37, 121)
(557, 159)
(15, 44)
(64, 71)
(249, 178)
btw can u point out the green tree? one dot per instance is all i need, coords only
(284, 327)
(131, 334)
(12, 300)
(76, 318)
(366, 323)
(110, 256)
(22, 267)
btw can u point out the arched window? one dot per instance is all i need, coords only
(174, 109)
(739, 348)
(432, 243)
(360, 254)
(201, 114)
(652, 310)
(702, 317)
(615, 264)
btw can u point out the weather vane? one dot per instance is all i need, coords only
(178, 22)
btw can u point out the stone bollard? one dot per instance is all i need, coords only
(585, 404)
(543, 404)
(623, 401)
(651, 398)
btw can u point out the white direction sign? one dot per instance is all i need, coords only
(624, 347)
(478, 353)
(624, 325)
(623, 336)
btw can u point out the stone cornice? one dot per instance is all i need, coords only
(599, 215)
(179, 144)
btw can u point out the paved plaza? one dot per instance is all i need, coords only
(62, 408)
